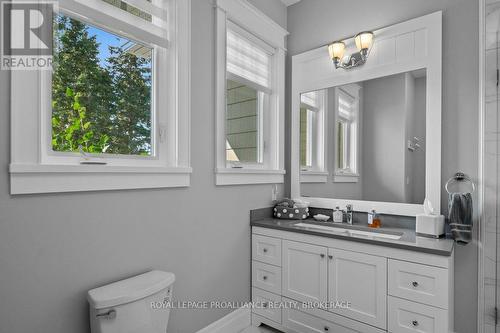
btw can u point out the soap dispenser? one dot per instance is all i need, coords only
(373, 219)
(337, 215)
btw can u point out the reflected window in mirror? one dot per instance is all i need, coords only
(248, 87)
(306, 119)
(312, 122)
(347, 119)
(376, 133)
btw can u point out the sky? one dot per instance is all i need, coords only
(105, 39)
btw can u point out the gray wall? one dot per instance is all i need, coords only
(383, 138)
(313, 23)
(53, 248)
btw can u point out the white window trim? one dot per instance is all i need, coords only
(32, 171)
(317, 173)
(341, 176)
(248, 17)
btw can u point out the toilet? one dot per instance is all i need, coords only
(139, 304)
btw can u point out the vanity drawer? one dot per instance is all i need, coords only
(267, 277)
(419, 283)
(266, 249)
(267, 304)
(410, 317)
(302, 322)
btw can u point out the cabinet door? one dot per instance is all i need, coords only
(361, 280)
(304, 272)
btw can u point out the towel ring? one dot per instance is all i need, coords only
(460, 177)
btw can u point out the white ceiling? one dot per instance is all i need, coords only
(289, 2)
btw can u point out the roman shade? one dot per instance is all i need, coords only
(248, 59)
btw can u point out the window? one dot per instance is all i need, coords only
(104, 123)
(108, 113)
(248, 84)
(250, 96)
(312, 122)
(107, 108)
(244, 114)
(347, 133)
(306, 144)
(312, 136)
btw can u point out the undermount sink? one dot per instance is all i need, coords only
(350, 232)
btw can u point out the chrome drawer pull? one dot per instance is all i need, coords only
(111, 314)
(322, 255)
(264, 278)
(414, 323)
(415, 284)
(264, 250)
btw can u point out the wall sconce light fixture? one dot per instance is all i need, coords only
(364, 42)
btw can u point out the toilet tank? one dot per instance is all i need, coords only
(135, 305)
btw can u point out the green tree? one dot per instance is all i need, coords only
(81, 89)
(101, 106)
(132, 94)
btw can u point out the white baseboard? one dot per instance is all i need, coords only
(234, 322)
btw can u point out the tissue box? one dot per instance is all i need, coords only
(430, 225)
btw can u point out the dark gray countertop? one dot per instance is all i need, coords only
(408, 241)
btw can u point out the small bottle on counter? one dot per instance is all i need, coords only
(374, 219)
(337, 215)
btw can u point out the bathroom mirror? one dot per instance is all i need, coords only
(367, 137)
(370, 136)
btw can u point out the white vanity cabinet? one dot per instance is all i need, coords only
(360, 279)
(387, 289)
(304, 271)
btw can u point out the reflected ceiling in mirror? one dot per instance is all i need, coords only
(365, 140)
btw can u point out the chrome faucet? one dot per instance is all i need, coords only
(349, 212)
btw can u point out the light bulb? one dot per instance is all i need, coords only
(364, 40)
(336, 50)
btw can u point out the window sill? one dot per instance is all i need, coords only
(226, 176)
(313, 177)
(31, 179)
(345, 178)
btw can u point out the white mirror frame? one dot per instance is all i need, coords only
(403, 47)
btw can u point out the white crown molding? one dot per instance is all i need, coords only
(289, 2)
(247, 15)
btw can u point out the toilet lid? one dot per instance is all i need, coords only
(130, 290)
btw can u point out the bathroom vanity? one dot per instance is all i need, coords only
(302, 275)
(359, 139)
